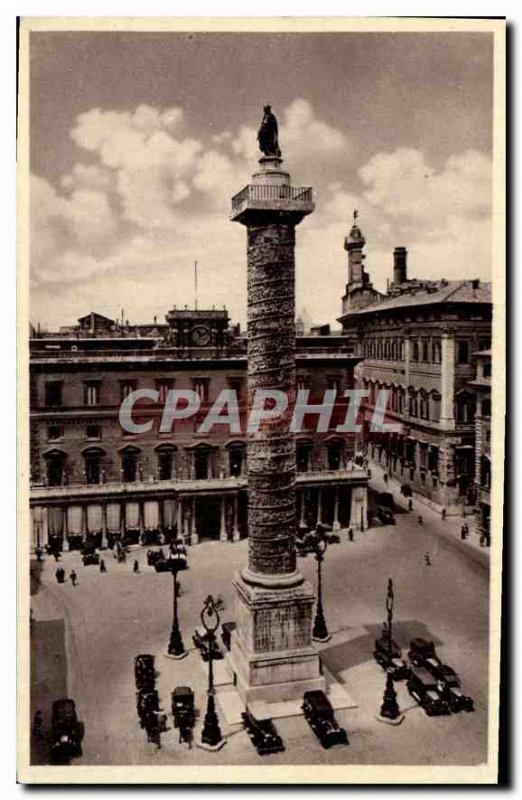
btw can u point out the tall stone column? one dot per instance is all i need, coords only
(272, 653)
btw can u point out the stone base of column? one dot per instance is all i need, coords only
(236, 535)
(272, 655)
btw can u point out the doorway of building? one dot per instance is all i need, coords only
(208, 518)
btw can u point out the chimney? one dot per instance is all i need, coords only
(400, 265)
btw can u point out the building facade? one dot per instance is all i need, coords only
(418, 341)
(91, 478)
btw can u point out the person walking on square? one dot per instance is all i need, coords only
(410, 504)
(136, 567)
(73, 576)
(427, 560)
(103, 568)
(443, 513)
(350, 534)
(421, 521)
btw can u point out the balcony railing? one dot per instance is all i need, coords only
(254, 192)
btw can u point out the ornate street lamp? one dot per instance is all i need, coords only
(316, 542)
(211, 737)
(390, 712)
(177, 560)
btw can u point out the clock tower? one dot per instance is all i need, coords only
(192, 329)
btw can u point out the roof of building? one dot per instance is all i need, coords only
(468, 291)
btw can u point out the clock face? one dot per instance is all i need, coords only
(201, 336)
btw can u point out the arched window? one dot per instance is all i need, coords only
(414, 350)
(92, 460)
(435, 406)
(129, 464)
(335, 454)
(56, 461)
(165, 454)
(465, 407)
(413, 404)
(424, 405)
(304, 456)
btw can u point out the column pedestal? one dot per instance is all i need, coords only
(271, 654)
(358, 509)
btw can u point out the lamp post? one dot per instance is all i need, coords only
(319, 543)
(389, 712)
(177, 561)
(211, 737)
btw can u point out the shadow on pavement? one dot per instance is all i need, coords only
(356, 651)
(48, 680)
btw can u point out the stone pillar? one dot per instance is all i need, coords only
(236, 535)
(359, 508)
(194, 538)
(272, 654)
(104, 527)
(65, 530)
(179, 518)
(223, 536)
(447, 381)
(45, 527)
(302, 516)
(336, 524)
(319, 506)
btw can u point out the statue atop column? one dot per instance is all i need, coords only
(267, 135)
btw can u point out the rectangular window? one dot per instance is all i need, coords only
(415, 351)
(462, 352)
(53, 393)
(200, 386)
(54, 432)
(163, 386)
(91, 393)
(425, 345)
(126, 387)
(93, 430)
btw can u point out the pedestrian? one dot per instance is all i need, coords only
(38, 553)
(103, 568)
(136, 567)
(421, 521)
(410, 504)
(482, 540)
(463, 532)
(58, 574)
(73, 576)
(56, 555)
(385, 477)
(443, 513)
(427, 560)
(37, 725)
(350, 534)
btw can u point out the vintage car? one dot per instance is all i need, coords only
(262, 734)
(226, 633)
(144, 671)
(391, 662)
(424, 689)
(422, 654)
(147, 703)
(406, 490)
(319, 714)
(90, 556)
(67, 731)
(201, 640)
(449, 686)
(153, 556)
(385, 515)
(183, 712)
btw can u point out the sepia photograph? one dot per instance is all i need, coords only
(261, 371)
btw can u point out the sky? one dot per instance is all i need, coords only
(139, 141)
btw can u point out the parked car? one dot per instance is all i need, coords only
(144, 671)
(263, 734)
(406, 490)
(385, 515)
(390, 661)
(320, 716)
(67, 731)
(147, 704)
(183, 711)
(449, 687)
(201, 640)
(424, 689)
(226, 633)
(90, 556)
(422, 654)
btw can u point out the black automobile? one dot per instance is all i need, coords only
(320, 716)
(90, 555)
(226, 633)
(424, 689)
(147, 704)
(183, 712)
(422, 654)
(262, 734)
(67, 731)
(201, 640)
(449, 687)
(385, 515)
(390, 660)
(144, 671)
